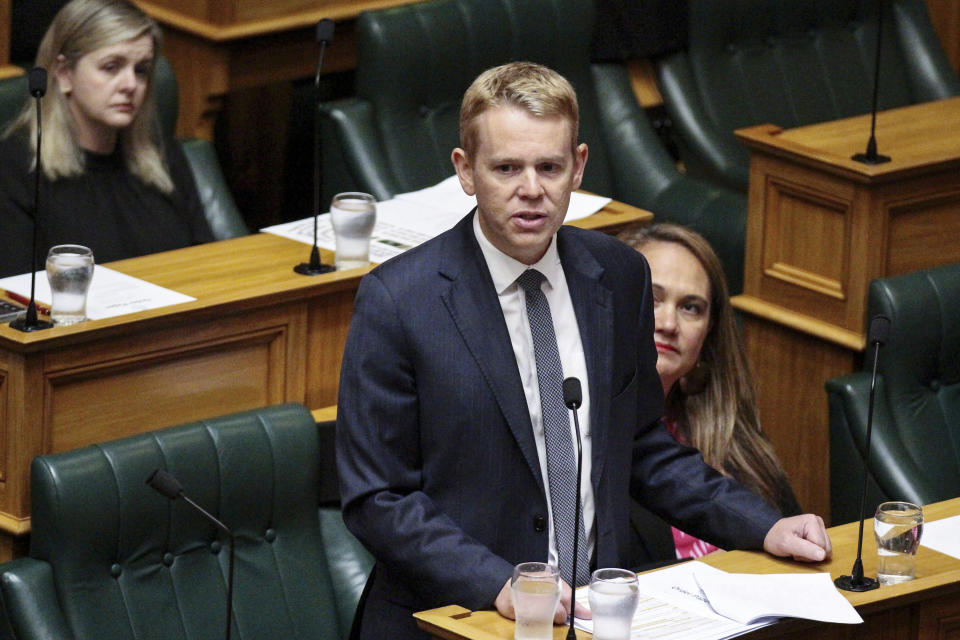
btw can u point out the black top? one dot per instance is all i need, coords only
(107, 209)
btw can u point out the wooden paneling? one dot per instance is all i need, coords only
(945, 15)
(820, 227)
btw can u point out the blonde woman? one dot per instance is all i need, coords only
(710, 397)
(109, 181)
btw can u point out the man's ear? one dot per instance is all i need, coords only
(580, 163)
(464, 170)
(63, 75)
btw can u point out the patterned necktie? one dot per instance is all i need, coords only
(561, 460)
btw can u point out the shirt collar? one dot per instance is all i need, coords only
(505, 270)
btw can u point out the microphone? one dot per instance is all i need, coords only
(37, 86)
(164, 483)
(871, 156)
(856, 581)
(573, 398)
(314, 267)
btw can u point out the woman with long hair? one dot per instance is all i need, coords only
(710, 401)
(109, 179)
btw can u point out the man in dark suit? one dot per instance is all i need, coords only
(441, 439)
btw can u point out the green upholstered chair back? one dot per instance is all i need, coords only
(916, 452)
(125, 562)
(792, 63)
(414, 63)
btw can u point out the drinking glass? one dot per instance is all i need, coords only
(70, 271)
(535, 590)
(352, 215)
(613, 599)
(897, 526)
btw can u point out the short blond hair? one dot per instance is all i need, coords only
(537, 89)
(80, 27)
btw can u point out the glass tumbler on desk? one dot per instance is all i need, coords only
(352, 215)
(535, 591)
(897, 527)
(613, 599)
(69, 271)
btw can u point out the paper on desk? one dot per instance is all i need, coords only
(412, 218)
(747, 598)
(111, 293)
(672, 607)
(943, 536)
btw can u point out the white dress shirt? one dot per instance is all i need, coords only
(504, 271)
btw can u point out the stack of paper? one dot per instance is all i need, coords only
(694, 601)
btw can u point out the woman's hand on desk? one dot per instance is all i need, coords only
(801, 537)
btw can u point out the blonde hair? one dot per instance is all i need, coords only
(539, 90)
(80, 27)
(715, 407)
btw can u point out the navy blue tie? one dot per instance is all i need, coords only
(561, 460)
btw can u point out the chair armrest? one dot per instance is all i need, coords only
(28, 602)
(219, 207)
(897, 474)
(354, 131)
(716, 155)
(929, 67)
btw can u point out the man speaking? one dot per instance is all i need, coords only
(454, 448)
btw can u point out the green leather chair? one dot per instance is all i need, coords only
(792, 63)
(915, 449)
(218, 205)
(110, 558)
(413, 64)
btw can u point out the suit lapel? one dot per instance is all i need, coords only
(472, 302)
(593, 306)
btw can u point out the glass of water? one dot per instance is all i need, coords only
(535, 591)
(897, 526)
(352, 215)
(70, 271)
(613, 599)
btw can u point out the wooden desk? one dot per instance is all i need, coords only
(927, 607)
(218, 46)
(257, 334)
(820, 227)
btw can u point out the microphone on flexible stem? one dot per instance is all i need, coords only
(314, 267)
(572, 398)
(165, 484)
(856, 581)
(37, 82)
(871, 156)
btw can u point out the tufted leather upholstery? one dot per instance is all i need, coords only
(110, 558)
(915, 451)
(219, 207)
(792, 63)
(415, 62)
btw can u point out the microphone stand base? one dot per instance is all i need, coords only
(308, 269)
(867, 158)
(21, 324)
(849, 583)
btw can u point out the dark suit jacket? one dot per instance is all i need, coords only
(438, 468)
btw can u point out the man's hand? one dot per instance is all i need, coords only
(800, 537)
(504, 605)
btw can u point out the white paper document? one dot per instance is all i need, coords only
(412, 218)
(672, 607)
(747, 597)
(111, 293)
(695, 601)
(943, 536)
